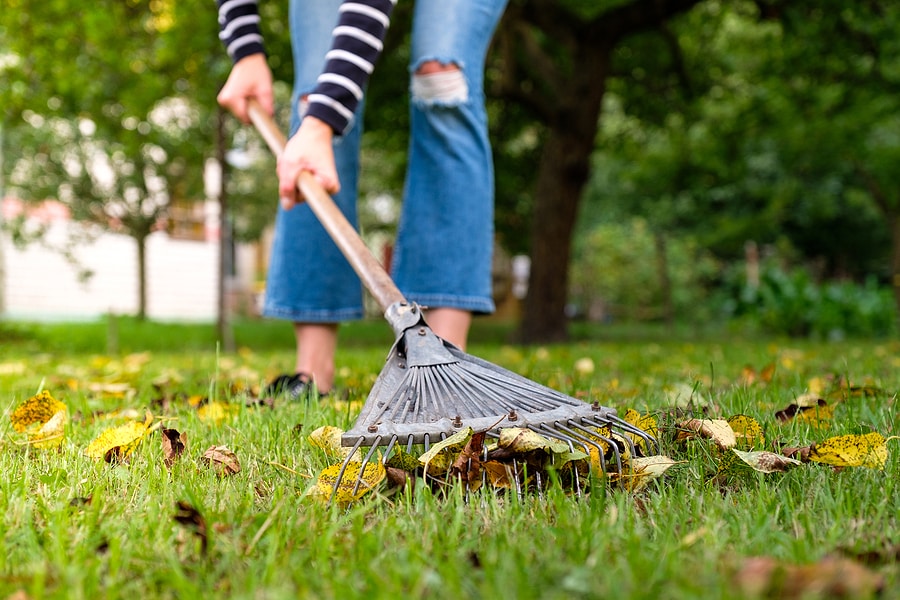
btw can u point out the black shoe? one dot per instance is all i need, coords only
(293, 387)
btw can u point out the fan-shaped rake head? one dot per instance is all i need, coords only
(429, 389)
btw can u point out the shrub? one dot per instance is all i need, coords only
(615, 273)
(792, 302)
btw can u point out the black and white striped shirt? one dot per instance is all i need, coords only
(357, 42)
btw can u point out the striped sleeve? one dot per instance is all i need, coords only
(357, 42)
(239, 28)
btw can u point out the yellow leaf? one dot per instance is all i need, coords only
(644, 470)
(646, 423)
(36, 410)
(117, 442)
(348, 490)
(328, 438)
(51, 434)
(520, 440)
(442, 454)
(868, 450)
(748, 432)
(598, 446)
(216, 412)
(766, 462)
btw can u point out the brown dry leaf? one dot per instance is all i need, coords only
(748, 432)
(718, 430)
(173, 444)
(749, 375)
(222, 460)
(831, 577)
(802, 454)
(807, 408)
(352, 487)
(868, 450)
(499, 474)
(467, 466)
(191, 518)
(766, 462)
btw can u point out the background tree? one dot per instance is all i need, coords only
(556, 60)
(123, 94)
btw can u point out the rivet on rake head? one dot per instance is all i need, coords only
(595, 405)
(512, 416)
(421, 331)
(457, 421)
(373, 428)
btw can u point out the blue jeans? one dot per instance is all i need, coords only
(442, 255)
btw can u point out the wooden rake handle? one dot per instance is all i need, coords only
(370, 271)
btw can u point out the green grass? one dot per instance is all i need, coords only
(682, 537)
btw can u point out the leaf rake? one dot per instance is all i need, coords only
(429, 389)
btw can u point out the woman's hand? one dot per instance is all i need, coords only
(250, 77)
(308, 150)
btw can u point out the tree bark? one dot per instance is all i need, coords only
(567, 99)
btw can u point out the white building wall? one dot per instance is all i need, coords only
(182, 278)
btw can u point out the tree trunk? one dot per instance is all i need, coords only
(563, 171)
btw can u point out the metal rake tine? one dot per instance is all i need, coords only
(337, 481)
(362, 467)
(651, 441)
(389, 447)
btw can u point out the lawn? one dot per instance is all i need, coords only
(78, 527)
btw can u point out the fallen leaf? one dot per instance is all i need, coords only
(352, 487)
(748, 432)
(749, 375)
(520, 441)
(190, 517)
(173, 444)
(807, 408)
(643, 470)
(766, 462)
(467, 466)
(646, 423)
(328, 438)
(117, 443)
(51, 433)
(831, 577)
(37, 410)
(441, 455)
(216, 411)
(867, 450)
(222, 460)
(717, 430)
(499, 474)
